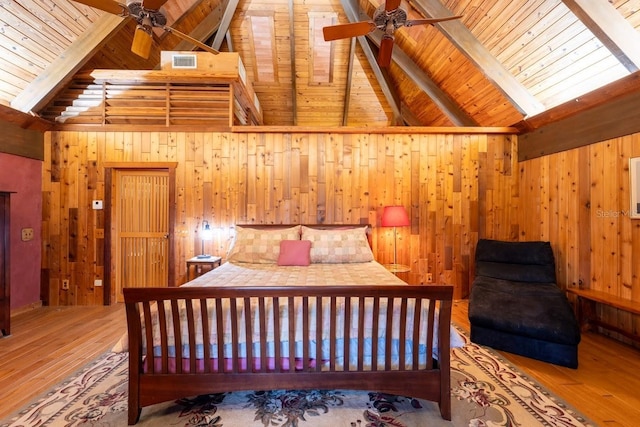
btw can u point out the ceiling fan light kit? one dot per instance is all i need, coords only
(142, 41)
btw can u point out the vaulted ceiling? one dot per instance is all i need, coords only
(503, 63)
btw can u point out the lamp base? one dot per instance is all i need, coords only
(203, 256)
(397, 268)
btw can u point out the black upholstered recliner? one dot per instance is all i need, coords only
(516, 306)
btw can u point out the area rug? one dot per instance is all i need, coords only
(485, 389)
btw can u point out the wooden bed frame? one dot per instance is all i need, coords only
(153, 384)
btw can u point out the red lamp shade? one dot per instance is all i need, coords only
(394, 216)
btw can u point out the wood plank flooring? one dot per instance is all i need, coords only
(48, 344)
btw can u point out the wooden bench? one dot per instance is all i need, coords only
(587, 314)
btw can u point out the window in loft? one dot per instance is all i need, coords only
(263, 46)
(320, 51)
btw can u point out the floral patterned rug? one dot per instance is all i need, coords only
(486, 391)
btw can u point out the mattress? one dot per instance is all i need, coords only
(250, 274)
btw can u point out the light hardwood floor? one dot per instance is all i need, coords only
(48, 344)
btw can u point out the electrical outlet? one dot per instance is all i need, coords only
(97, 282)
(429, 277)
(65, 284)
(27, 234)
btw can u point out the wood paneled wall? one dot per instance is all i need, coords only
(579, 200)
(456, 187)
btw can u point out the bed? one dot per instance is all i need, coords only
(294, 307)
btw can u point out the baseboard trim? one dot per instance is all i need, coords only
(26, 308)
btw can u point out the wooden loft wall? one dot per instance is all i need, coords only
(579, 200)
(214, 93)
(456, 187)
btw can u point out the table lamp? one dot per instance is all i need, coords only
(394, 216)
(206, 234)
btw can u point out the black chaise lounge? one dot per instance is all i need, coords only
(516, 306)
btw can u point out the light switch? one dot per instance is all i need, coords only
(96, 204)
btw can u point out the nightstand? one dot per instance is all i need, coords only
(201, 265)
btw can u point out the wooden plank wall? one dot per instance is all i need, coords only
(579, 200)
(456, 188)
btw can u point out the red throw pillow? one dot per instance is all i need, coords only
(295, 252)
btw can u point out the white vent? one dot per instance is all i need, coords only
(184, 61)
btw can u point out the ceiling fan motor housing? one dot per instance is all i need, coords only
(389, 20)
(137, 10)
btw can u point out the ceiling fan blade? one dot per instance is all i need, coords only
(345, 31)
(384, 54)
(142, 41)
(412, 22)
(153, 4)
(390, 5)
(110, 6)
(190, 39)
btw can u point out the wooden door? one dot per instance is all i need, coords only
(141, 232)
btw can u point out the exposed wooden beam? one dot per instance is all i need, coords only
(45, 86)
(348, 84)
(354, 14)
(22, 134)
(227, 37)
(347, 89)
(611, 28)
(22, 142)
(292, 43)
(408, 116)
(593, 99)
(229, 12)
(204, 30)
(451, 109)
(469, 46)
(617, 118)
(373, 130)
(24, 120)
(447, 105)
(217, 22)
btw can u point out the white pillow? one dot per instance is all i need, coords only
(348, 245)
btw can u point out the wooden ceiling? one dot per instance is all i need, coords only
(503, 62)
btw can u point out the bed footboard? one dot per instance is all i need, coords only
(197, 340)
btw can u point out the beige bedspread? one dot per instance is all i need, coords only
(360, 273)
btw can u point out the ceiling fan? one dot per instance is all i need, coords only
(388, 17)
(148, 15)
